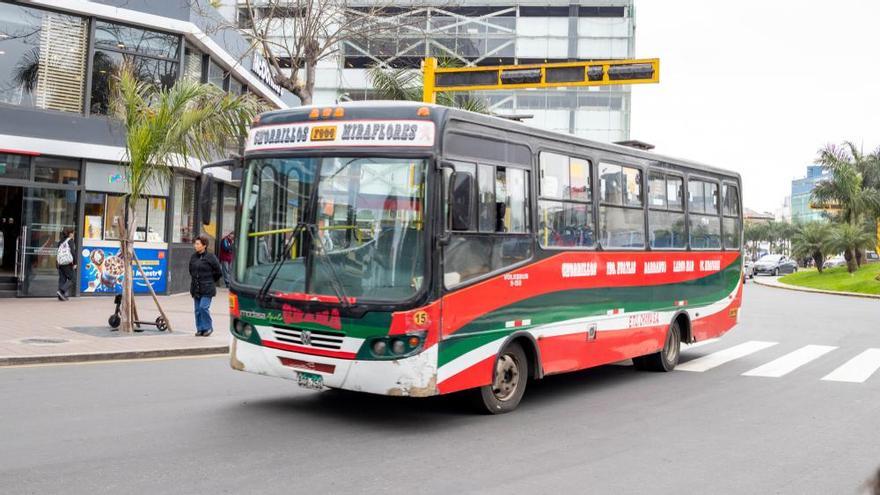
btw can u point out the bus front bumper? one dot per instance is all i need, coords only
(414, 376)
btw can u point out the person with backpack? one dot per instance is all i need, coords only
(66, 263)
(205, 272)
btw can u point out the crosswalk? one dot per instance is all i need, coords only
(846, 367)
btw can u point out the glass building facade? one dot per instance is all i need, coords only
(62, 160)
(801, 192)
(499, 33)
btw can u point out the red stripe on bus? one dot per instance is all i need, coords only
(309, 350)
(546, 276)
(20, 152)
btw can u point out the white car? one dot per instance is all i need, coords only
(835, 261)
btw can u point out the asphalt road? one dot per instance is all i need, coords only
(195, 426)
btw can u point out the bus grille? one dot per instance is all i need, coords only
(316, 338)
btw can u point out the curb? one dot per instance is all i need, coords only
(112, 356)
(779, 285)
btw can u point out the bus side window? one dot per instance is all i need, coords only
(704, 223)
(621, 214)
(500, 238)
(731, 228)
(565, 213)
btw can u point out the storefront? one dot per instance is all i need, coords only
(62, 158)
(41, 197)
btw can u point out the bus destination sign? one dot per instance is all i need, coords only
(350, 133)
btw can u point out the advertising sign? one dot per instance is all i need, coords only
(102, 270)
(345, 133)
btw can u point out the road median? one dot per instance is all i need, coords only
(774, 282)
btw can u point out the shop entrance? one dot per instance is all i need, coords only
(10, 237)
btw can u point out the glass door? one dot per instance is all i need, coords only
(47, 213)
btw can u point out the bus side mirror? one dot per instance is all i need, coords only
(206, 198)
(461, 200)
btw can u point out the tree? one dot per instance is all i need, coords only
(813, 240)
(755, 233)
(854, 187)
(851, 239)
(294, 35)
(166, 127)
(406, 84)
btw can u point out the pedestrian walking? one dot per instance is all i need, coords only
(227, 244)
(66, 265)
(204, 270)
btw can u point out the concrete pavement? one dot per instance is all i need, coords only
(195, 426)
(40, 330)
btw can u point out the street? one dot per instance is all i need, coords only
(195, 426)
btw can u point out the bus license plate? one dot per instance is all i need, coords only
(310, 380)
(324, 133)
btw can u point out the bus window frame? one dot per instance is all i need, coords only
(666, 173)
(593, 202)
(447, 232)
(643, 208)
(739, 216)
(705, 178)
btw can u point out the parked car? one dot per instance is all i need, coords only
(871, 257)
(775, 264)
(835, 261)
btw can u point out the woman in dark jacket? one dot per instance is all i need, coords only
(204, 270)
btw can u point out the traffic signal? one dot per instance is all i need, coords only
(551, 75)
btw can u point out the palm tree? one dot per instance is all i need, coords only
(166, 127)
(406, 84)
(851, 239)
(813, 240)
(854, 186)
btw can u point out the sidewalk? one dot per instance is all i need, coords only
(774, 282)
(42, 330)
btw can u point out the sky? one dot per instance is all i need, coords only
(758, 87)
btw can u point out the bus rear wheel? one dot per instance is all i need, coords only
(667, 358)
(508, 382)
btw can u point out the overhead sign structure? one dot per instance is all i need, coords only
(553, 75)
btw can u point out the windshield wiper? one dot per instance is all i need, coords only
(335, 281)
(276, 267)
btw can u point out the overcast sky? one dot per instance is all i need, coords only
(758, 86)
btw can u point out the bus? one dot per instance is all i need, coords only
(407, 249)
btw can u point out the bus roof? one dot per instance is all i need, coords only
(406, 109)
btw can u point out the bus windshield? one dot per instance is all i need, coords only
(333, 226)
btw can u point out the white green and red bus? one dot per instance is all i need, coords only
(410, 249)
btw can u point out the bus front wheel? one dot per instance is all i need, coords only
(508, 383)
(667, 357)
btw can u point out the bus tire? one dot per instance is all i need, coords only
(667, 358)
(508, 382)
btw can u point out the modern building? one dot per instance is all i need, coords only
(783, 213)
(496, 32)
(801, 194)
(60, 154)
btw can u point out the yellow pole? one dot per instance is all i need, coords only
(877, 248)
(429, 65)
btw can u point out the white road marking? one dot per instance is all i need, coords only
(701, 343)
(715, 359)
(857, 369)
(791, 361)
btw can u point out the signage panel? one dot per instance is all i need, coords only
(342, 133)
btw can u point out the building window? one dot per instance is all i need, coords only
(183, 229)
(15, 166)
(153, 56)
(216, 74)
(114, 216)
(56, 170)
(621, 214)
(42, 58)
(104, 217)
(565, 212)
